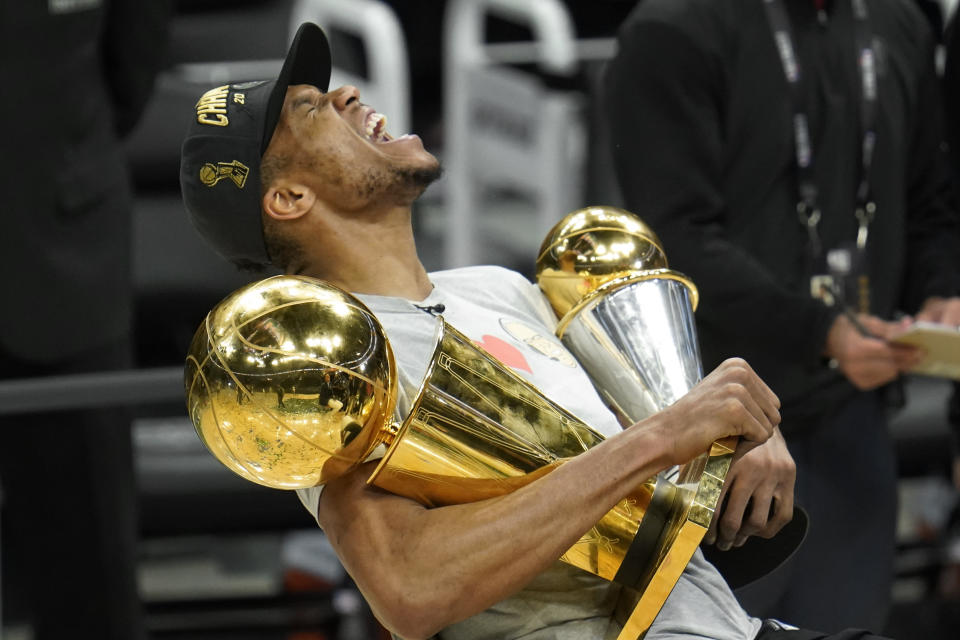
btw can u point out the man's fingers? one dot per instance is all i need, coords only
(941, 310)
(907, 357)
(749, 425)
(765, 404)
(781, 512)
(761, 510)
(764, 514)
(870, 363)
(759, 389)
(951, 315)
(745, 390)
(876, 326)
(765, 421)
(731, 519)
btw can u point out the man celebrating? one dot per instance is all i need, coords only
(287, 173)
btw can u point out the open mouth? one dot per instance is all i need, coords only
(376, 127)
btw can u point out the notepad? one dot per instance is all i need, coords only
(941, 344)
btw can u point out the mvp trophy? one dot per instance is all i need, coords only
(628, 320)
(291, 382)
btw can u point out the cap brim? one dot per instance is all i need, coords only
(308, 62)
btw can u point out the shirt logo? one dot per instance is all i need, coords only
(547, 346)
(211, 174)
(504, 352)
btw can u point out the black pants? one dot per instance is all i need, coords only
(772, 631)
(68, 518)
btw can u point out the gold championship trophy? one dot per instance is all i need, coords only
(291, 382)
(628, 320)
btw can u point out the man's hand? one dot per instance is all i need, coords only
(869, 361)
(757, 497)
(731, 400)
(940, 310)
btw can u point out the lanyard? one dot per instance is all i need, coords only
(808, 207)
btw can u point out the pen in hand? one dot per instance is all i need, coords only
(855, 321)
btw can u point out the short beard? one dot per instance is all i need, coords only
(413, 182)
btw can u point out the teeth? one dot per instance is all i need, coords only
(372, 121)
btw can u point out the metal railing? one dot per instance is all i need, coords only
(502, 127)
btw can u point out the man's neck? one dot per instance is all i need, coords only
(373, 254)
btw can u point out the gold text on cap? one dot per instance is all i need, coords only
(212, 107)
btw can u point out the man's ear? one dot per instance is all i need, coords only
(287, 201)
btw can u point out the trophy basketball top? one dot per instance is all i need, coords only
(290, 382)
(591, 246)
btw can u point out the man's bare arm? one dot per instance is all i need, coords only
(424, 569)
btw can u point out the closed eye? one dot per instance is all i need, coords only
(313, 101)
(303, 101)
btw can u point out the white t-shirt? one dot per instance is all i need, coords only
(505, 314)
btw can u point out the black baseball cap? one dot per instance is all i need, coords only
(220, 157)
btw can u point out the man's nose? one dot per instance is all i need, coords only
(344, 96)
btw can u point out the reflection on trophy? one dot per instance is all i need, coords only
(628, 320)
(291, 382)
(590, 247)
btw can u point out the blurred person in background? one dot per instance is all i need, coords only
(950, 582)
(787, 153)
(77, 74)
